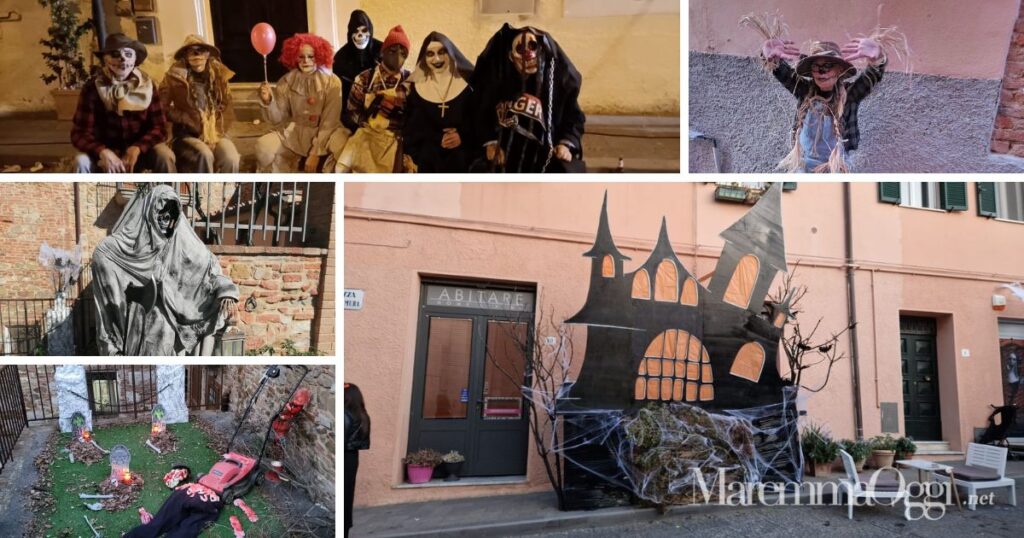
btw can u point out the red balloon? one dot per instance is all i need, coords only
(263, 38)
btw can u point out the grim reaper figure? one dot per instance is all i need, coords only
(530, 118)
(159, 291)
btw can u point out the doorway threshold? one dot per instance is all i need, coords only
(466, 481)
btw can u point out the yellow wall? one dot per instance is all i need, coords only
(630, 64)
(21, 63)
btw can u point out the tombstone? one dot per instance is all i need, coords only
(60, 340)
(79, 427)
(159, 426)
(170, 380)
(71, 387)
(120, 464)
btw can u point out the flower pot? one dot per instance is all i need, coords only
(418, 474)
(859, 464)
(882, 458)
(452, 470)
(822, 469)
(905, 455)
(65, 102)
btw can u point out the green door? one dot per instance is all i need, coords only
(920, 386)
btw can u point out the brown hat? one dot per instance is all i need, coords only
(195, 41)
(116, 42)
(825, 50)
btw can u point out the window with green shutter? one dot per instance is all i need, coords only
(987, 199)
(789, 185)
(954, 196)
(889, 192)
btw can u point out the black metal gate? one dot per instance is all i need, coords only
(12, 413)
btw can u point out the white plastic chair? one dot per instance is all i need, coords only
(854, 489)
(990, 458)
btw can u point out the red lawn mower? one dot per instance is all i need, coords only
(236, 474)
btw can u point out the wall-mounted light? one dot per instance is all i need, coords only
(998, 302)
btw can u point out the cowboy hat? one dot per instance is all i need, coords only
(196, 41)
(824, 50)
(116, 42)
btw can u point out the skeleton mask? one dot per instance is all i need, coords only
(525, 51)
(120, 63)
(307, 59)
(394, 57)
(361, 37)
(437, 59)
(197, 57)
(166, 218)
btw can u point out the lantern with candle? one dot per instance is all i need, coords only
(79, 427)
(159, 426)
(120, 464)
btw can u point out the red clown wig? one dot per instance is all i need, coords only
(322, 50)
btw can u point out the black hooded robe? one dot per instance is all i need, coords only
(509, 111)
(349, 61)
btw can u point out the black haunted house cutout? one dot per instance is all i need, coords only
(657, 335)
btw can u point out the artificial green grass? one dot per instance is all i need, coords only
(70, 479)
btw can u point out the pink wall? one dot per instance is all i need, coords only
(947, 37)
(536, 233)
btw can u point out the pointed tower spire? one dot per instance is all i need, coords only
(761, 229)
(604, 244)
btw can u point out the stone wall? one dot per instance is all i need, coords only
(1008, 136)
(284, 286)
(310, 441)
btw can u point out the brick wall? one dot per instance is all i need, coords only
(1008, 135)
(31, 213)
(284, 285)
(309, 453)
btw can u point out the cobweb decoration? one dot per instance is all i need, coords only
(64, 266)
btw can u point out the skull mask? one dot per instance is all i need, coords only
(120, 63)
(525, 53)
(198, 58)
(307, 59)
(166, 217)
(361, 37)
(437, 58)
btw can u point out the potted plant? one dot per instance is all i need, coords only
(819, 449)
(883, 451)
(905, 448)
(453, 465)
(63, 56)
(419, 465)
(858, 450)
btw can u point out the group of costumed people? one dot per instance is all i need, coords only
(357, 110)
(828, 88)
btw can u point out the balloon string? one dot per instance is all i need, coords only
(265, 68)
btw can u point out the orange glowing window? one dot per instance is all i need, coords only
(670, 344)
(666, 389)
(652, 388)
(681, 342)
(671, 369)
(689, 295)
(608, 267)
(707, 392)
(744, 278)
(693, 371)
(780, 319)
(665, 282)
(640, 389)
(705, 373)
(749, 362)
(677, 390)
(691, 391)
(655, 347)
(641, 285)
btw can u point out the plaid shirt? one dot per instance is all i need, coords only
(857, 88)
(94, 128)
(365, 83)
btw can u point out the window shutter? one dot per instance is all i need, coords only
(987, 199)
(954, 195)
(889, 192)
(788, 186)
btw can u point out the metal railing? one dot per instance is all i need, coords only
(249, 209)
(12, 413)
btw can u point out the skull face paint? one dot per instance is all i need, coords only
(361, 37)
(394, 57)
(197, 58)
(437, 58)
(307, 59)
(120, 63)
(525, 53)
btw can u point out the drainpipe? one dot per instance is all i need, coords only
(78, 229)
(99, 21)
(851, 313)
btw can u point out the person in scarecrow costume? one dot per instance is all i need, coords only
(305, 108)
(829, 91)
(362, 52)
(197, 101)
(119, 124)
(158, 289)
(376, 112)
(440, 108)
(530, 118)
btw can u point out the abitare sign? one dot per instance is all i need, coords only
(353, 299)
(463, 297)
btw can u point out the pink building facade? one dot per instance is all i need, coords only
(934, 344)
